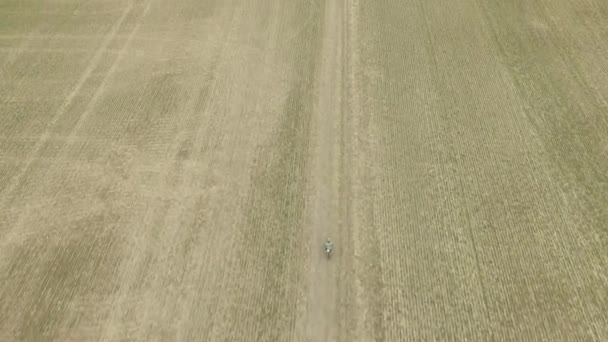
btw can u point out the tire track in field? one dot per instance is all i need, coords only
(15, 52)
(25, 45)
(27, 40)
(63, 108)
(96, 96)
(26, 48)
(312, 13)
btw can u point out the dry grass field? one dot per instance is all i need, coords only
(170, 169)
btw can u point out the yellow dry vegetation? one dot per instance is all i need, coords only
(169, 170)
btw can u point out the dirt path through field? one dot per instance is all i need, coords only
(322, 321)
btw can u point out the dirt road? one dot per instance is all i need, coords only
(327, 200)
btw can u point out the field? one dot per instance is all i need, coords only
(169, 170)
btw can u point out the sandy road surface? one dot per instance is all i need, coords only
(326, 200)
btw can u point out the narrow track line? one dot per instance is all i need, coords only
(15, 52)
(25, 49)
(91, 105)
(88, 37)
(314, 11)
(57, 12)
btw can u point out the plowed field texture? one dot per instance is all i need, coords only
(170, 170)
